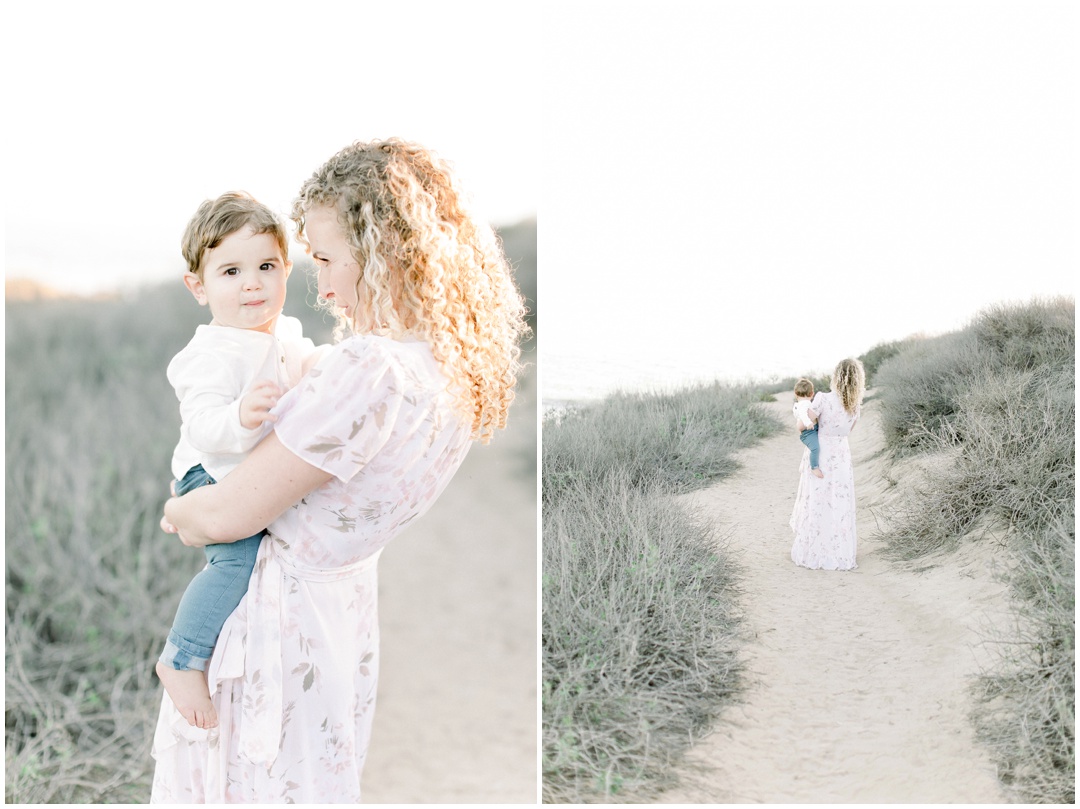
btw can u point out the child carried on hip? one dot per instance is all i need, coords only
(806, 421)
(228, 379)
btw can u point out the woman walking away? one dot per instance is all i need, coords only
(823, 518)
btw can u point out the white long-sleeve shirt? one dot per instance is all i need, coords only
(799, 411)
(210, 376)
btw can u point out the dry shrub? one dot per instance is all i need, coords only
(683, 440)
(1005, 457)
(639, 639)
(1026, 336)
(924, 383)
(91, 582)
(994, 406)
(639, 602)
(873, 359)
(1026, 714)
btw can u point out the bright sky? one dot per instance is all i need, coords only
(748, 187)
(121, 117)
(728, 188)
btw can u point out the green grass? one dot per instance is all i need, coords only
(992, 408)
(639, 598)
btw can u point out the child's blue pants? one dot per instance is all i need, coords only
(212, 595)
(810, 439)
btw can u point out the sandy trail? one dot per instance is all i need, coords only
(857, 681)
(456, 717)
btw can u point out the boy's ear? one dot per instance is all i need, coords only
(288, 267)
(195, 287)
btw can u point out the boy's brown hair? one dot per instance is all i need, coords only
(804, 387)
(217, 218)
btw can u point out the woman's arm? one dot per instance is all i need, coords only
(245, 501)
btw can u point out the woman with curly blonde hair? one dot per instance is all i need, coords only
(361, 447)
(424, 268)
(823, 518)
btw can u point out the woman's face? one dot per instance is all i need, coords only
(338, 270)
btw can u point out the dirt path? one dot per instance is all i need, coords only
(858, 680)
(456, 716)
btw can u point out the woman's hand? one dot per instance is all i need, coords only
(190, 536)
(167, 526)
(166, 523)
(268, 481)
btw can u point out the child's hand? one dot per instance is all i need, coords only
(256, 404)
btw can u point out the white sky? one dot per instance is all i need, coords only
(121, 117)
(724, 188)
(770, 186)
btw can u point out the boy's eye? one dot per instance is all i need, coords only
(269, 265)
(231, 271)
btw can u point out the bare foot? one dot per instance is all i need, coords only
(817, 473)
(190, 695)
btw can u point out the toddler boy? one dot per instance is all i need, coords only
(228, 378)
(806, 421)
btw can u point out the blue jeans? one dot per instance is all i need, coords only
(212, 595)
(809, 438)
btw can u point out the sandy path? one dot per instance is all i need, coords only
(456, 718)
(857, 685)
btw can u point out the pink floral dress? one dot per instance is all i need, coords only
(294, 672)
(823, 518)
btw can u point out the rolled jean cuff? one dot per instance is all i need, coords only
(183, 655)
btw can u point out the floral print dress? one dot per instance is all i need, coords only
(823, 518)
(294, 672)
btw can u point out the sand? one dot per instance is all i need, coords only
(456, 717)
(858, 681)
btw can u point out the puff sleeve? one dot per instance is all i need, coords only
(342, 413)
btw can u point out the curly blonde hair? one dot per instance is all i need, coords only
(849, 382)
(427, 268)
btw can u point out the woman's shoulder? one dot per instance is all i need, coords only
(828, 400)
(366, 392)
(369, 357)
(373, 348)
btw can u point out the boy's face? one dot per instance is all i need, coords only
(243, 281)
